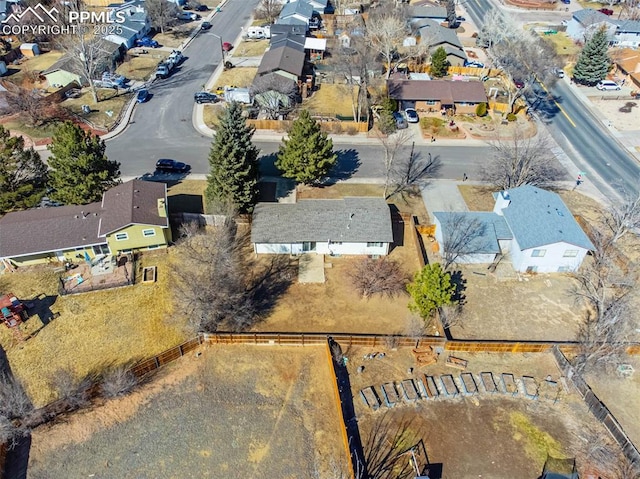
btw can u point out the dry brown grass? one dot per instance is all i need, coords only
(210, 114)
(240, 76)
(330, 100)
(110, 101)
(92, 330)
(33, 65)
(477, 198)
(142, 66)
(250, 48)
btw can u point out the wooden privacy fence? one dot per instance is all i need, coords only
(151, 364)
(473, 71)
(334, 126)
(597, 407)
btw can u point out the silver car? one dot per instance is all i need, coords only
(607, 85)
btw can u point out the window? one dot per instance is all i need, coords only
(147, 233)
(122, 236)
(430, 102)
(570, 253)
(101, 249)
(564, 269)
(538, 253)
(155, 246)
(335, 242)
(374, 245)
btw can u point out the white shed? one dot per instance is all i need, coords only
(30, 49)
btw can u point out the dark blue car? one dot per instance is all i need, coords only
(147, 42)
(143, 95)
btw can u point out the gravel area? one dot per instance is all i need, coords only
(232, 412)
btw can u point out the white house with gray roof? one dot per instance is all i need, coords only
(541, 234)
(622, 33)
(349, 226)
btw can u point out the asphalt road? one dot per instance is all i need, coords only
(162, 127)
(582, 136)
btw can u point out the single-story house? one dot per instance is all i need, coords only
(627, 62)
(587, 21)
(286, 59)
(298, 9)
(282, 29)
(293, 22)
(67, 70)
(627, 34)
(292, 39)
(434, 95)
(541, 234)
(434, 35)
(359, 226)
(438, 14)
(490, 238)
(136, 25)
(131, 216)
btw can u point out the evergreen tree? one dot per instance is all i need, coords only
(81, 171)
(439, 63)
(307, 155)
(430, 290)
(593, 62)
(233, 178)
(23, 175)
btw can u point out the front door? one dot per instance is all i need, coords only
(308, 246)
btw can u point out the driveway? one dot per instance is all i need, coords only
(442, 195)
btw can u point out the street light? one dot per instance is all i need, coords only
(221, 49)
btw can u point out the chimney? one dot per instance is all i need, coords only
(162, 208)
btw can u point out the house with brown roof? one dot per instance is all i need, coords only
(434, 95)
(131, 216)
(627, 61)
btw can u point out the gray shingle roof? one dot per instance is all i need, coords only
(280, 29)
(628, 26)
(288, 39)
(589, 16)
(428, 12)
(494, 228)
(299, 7)
(538, 217)
(350, 220)
(436, 90)
(283, 57)
(64, 227)
(293, 21)
(432, 33)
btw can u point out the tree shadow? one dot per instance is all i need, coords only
(397, 225)
(269, 282)
(347, 164)
(458, 280)
(41, 306)
(267, 165)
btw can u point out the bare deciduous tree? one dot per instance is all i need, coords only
(387, 27)
(33, 107)
(411, 174)
(377, 276)
(462, 235)
(274, 95)
(15, 405)
(392, 145)
(624, 215)
(268, 10)
(162, 13)
(118, 381)
(521, 160)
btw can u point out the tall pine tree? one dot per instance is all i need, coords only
(307, 155)
(233, 178)
(81, 171)
(593, 62)
(23, 175)
(439, 63)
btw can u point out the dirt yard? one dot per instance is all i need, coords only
(234, 411)
(487, 435)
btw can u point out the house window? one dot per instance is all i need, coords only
(101, 249)
(538, 253)
(335, 242)
(122, 236)
(532, 269)
(430, 102)
(564, 269)
(155, 246)
(147, 233)
(570, 253)
(374, 245)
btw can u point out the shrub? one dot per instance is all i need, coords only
(481, 109)
(512, 117)
(117, 381)
(377, 276)
(351, 130)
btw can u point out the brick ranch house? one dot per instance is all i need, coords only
(434, 95)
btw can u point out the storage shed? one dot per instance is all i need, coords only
(30, 49)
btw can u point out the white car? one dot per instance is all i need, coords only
(607, 85)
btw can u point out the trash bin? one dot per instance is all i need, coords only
(86, 109)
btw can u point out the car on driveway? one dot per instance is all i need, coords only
(147, 42)
(205, 26)
(201, 8)
(142, 96)
(401, 121)
(412, 115)
(605, 85)
(205, 97)
(172, 166)
(606, 11)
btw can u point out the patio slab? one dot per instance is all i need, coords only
(311, 268)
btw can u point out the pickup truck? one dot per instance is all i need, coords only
(164, 69)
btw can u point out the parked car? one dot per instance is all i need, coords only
(401, 121)
(473, 63)
(518, 83)
(461, 19)
(147, 42)
(227, 47)
(202, 8)
(172, 166)
(188, 16)
(115, 78)
(412, 115)
(205, 97)
(606, 11)
(566, 2)
(559, 72)
(607, 85)
(105, 84)
(176, 57)
(142, 96)
(205, 26)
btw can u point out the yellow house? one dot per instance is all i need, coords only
(131, 216)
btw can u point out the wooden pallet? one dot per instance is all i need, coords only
(457, 363)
